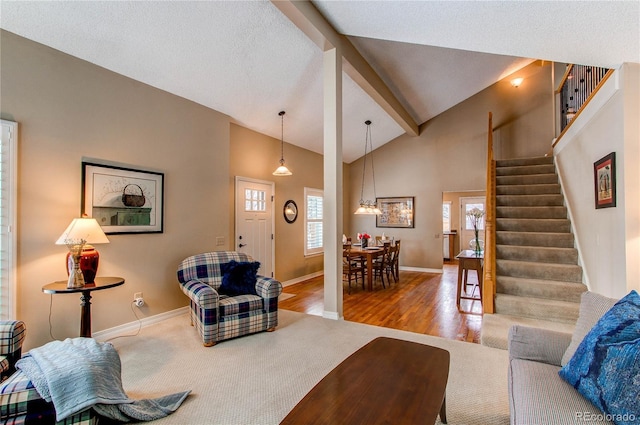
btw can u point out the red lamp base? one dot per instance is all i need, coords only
(88, 263)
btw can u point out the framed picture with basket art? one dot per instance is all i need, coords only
(604, 180)
(123, 200)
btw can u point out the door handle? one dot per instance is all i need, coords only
(241, 245)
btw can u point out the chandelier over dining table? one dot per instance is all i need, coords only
(368, 207)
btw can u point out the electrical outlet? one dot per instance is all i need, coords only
(137, 299)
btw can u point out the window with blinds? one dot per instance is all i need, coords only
(7, 219)
(313, 221)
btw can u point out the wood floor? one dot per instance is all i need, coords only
(420, 302)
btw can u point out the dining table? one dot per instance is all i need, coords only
(369, 253)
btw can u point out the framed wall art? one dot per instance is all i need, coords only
(396, 212)
(604, 180)
(123, 200)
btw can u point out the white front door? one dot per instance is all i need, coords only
(254, 222)
(466, 226)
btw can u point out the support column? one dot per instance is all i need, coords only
(332, 212)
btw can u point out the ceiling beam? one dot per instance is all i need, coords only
(310, 21)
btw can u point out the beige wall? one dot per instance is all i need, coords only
(255, 155)
(67, 110)
(450, 155)
(609, 239)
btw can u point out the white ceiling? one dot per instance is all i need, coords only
(247, 60)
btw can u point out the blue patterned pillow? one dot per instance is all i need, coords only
(605, 368)
(239, 278)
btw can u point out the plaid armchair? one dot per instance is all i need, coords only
(12, 333)
(218, 317)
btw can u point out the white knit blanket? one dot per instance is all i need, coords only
(79, 373)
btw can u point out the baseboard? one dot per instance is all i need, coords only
(302, 278)
(333, 315)
(132, 327)
(420, 269)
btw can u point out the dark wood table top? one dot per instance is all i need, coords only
(60, 287)
(388, 381)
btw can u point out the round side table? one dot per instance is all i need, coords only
(60, 287)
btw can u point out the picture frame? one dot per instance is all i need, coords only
(397, 212)
(123, 200)
(604, 181)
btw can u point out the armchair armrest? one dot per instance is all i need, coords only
(540, 345)
(12, 333)
(267, 287)
(201, 293)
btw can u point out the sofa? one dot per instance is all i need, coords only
(537, 358)
(219, 313)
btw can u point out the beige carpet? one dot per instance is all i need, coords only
(258, 379)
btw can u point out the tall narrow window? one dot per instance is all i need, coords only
(7, 219)
(313, 221)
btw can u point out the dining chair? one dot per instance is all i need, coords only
(396, 261)
(352, 266)
(390, 266)
(380, 263)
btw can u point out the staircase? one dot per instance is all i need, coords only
(538, 279)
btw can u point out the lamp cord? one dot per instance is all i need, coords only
(281, 137)
(364, 167)
(139, 325)
(110, 339)
(368, 143)
(373, 171)
(50, 325)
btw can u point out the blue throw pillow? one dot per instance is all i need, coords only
(605, 368)
(239, 278)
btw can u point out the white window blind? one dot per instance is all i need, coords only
(8, 160)
(313, 221)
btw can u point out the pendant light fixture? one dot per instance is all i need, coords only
(282, 170)
(368, 207)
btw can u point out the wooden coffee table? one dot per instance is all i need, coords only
(388, 381)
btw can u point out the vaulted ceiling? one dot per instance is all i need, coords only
(249, 60)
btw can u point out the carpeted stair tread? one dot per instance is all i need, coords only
(539, 288)
(495, 328)
(528, 189)
(531, 270)
(537, 308)
(558, 240)
(531, 212)
(550, 225)
(521, 170)
(537, 254)
(550, 178)
(515, 162)
(547, 200)
(538, 279)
